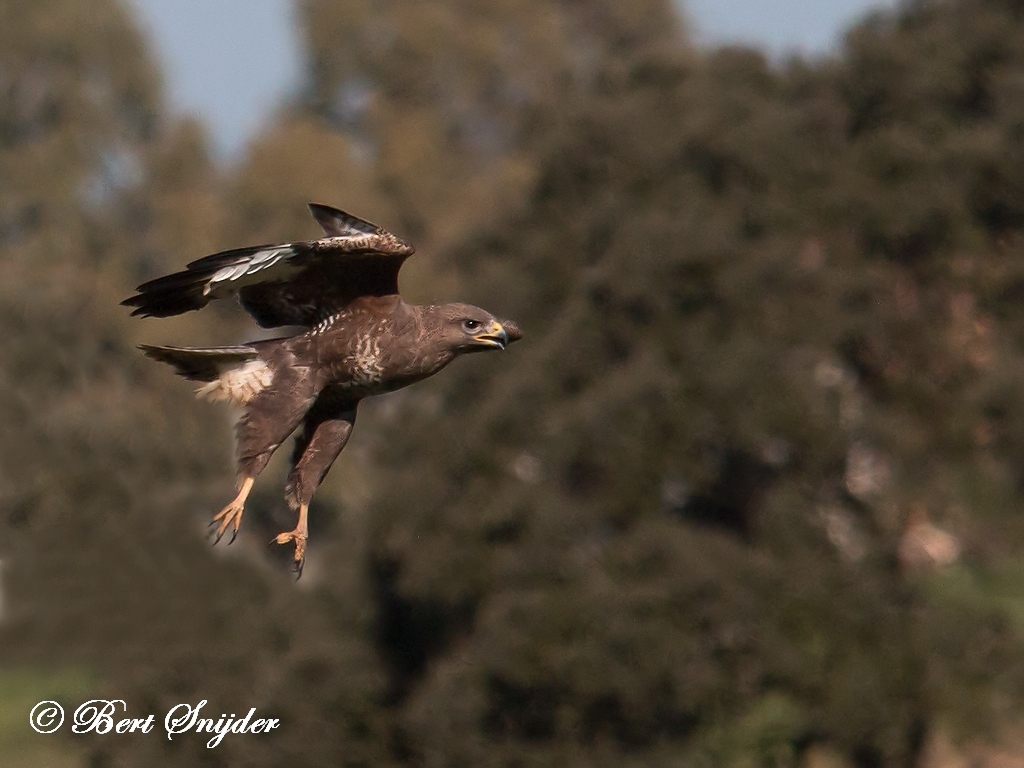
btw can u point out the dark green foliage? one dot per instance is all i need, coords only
(769, 311)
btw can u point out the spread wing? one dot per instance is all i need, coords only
(297, 283)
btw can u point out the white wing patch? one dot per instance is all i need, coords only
(239, 384)
(255, 263)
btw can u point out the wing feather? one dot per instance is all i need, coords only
(288, 283)
(337, 223)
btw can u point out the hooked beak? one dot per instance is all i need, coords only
(500, 335)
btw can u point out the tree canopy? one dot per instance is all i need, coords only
(770, 322)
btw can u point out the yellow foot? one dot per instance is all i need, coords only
(299, 537)
(231, 515)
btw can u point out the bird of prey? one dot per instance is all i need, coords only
(357, 338)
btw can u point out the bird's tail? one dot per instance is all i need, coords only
(228, 373)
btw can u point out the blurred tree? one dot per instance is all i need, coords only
(769, 310)
(108, 469)
(446, 102)
(764, 300)
(90, 463)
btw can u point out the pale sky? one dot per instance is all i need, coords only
(231, 62)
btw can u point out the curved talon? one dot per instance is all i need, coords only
(299, 536)
(231, 515)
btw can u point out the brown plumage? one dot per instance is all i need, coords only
(358, 339)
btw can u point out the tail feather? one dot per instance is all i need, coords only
(201, 364)
(236, 374)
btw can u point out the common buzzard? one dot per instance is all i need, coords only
(358, 338)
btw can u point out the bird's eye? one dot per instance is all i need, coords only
(471, 325)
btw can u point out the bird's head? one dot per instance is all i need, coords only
(465, 328)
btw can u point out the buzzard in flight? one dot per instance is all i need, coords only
(358, 338)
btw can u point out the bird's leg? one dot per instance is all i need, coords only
(299, 536)
(325, 434)
(268, 419)
(232, 513)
